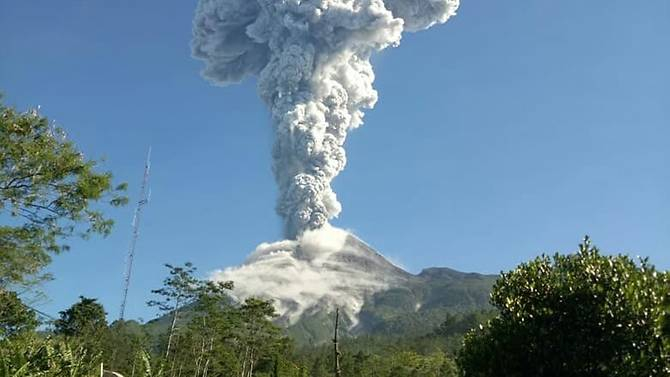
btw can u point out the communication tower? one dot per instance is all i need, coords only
(143, 201)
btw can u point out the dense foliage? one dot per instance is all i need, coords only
(84, 318)
(428, 355)
(584, 314)
(15, 317)
(31, 356)
(47, 189)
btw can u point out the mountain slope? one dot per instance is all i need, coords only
(414, 307)
(330, 268)
(422, 303)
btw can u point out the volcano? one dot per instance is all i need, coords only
(323, 269)
(332, 268)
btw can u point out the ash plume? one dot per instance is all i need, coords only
(312, 58)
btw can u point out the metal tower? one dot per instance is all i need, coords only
(143, 200)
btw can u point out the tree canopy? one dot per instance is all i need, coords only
(86, 317)
(47, 194)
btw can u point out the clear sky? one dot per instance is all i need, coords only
(514, 129)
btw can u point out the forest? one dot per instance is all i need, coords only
(581, 313)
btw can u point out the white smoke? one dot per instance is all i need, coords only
(313, 62)
(307, 273)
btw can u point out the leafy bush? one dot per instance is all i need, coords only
(31, 356)
(583, 314)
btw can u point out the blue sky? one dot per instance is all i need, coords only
(512, 130)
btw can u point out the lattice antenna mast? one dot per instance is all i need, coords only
(143, 200)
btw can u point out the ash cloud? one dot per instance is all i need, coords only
(312, 58)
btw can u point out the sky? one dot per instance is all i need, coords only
(512, 130)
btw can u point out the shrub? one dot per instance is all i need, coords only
(583, 314)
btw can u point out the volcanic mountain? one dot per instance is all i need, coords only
(331, 268)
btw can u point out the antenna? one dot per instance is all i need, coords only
(143, 200)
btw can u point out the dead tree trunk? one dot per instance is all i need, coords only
(172, 329)
(336, 346)
(211, 347)
(244, 362)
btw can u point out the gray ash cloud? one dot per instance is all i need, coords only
(312, 60)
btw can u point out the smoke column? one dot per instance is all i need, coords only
(312, 58)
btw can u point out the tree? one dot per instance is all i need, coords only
(336, 346)
(122, 344)
(582, 314)
(209, 334)
(84, 318)
(47, 192)
(15, 316)
(258, 337)
(180, 288)
(202, 347)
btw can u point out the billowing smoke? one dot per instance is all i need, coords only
(312, 58)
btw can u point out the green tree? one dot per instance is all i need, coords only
(84, 318)
(47, 192)
(180, 288)
(258, 337)
(582, 314)
(15, 316)
(210, 335)
(202, 347)
(123, 342)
